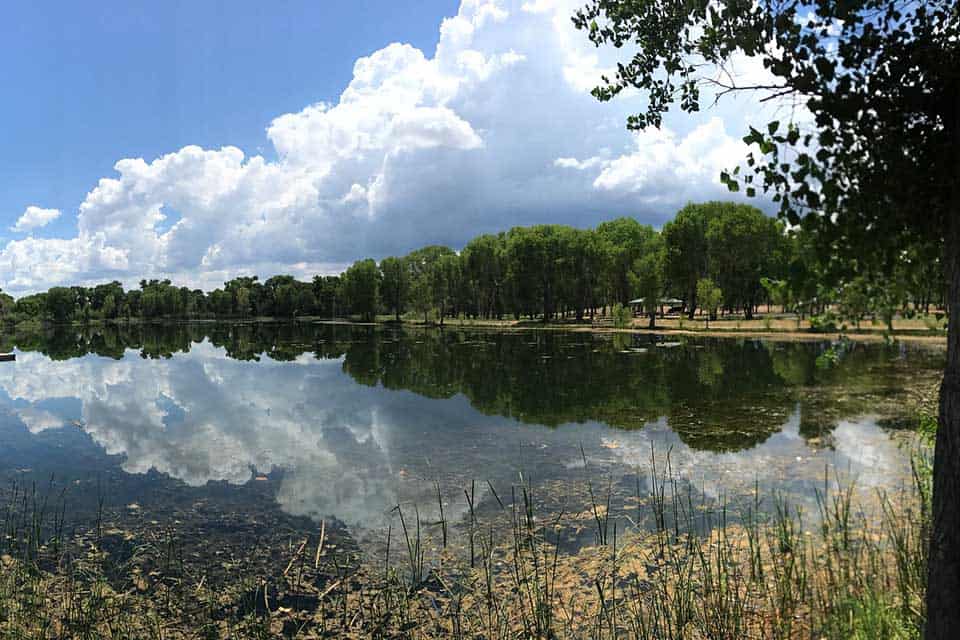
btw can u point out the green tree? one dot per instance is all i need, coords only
(421, 296)
(855, 300)
(625, 239)
(444, 279)
(484, 268)
(110, 306)
(60, 303)
(534, 257)
(585, 265)
(362, 289)
(244, 292)
(285, 300)
(32, 306)
(421, 266)
(647, 277)
(687, 250)
(778, 292)
(743, 244)
(710, 296)
(875, 169)
(889, 297)
(395, 281)
(132, 302)
(242, 301)
(98, 297)
(526, 270)
(327, 291)
(306, 303)
(7, 305)
(221, 302)
(923, 275)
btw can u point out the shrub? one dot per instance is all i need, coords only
(622, 316)
(824, 323)
(934, 322)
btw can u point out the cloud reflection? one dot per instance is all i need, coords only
(354, 451)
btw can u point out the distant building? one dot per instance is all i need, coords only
(667, 305)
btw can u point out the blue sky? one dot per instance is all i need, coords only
(203, 140)
(87, 83)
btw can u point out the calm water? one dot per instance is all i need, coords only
(267, 424)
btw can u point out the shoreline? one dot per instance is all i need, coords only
(775, 335)
(780, 334)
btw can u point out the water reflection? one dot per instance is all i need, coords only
(352, 420)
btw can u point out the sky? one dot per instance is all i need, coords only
(202, 140)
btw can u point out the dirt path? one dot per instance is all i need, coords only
(780, 330)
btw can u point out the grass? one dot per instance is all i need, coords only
(705, 568)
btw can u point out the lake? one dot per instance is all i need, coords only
(239, 432)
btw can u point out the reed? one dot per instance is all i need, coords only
(754, 567)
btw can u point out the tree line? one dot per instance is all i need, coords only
(716, 257)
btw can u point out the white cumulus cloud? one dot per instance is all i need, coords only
(35, 217)
(496, 129)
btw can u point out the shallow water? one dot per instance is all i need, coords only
(341, 423)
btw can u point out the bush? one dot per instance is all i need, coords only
(824, 323)
(622, 316)
(934, 322)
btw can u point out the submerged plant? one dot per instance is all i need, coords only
(700, 568)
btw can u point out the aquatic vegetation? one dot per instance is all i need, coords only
(832, 356)
(701, 568)
(828, 359)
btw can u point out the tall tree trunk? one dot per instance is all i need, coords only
(943, 584)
